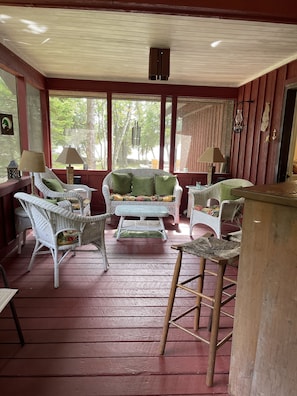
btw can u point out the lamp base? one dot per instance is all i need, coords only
(69, 174)
(210, 173)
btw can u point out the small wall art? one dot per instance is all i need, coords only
(6, 124)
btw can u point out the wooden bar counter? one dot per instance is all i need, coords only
(264, 346)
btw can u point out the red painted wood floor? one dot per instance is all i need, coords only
(99, 333)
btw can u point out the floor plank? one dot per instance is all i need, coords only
(99, 333)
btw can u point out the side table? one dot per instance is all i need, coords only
(192, 189)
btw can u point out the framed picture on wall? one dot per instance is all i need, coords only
(6, 124)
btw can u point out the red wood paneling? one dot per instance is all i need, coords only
(255, 155)
(250, 138)
(264, 10)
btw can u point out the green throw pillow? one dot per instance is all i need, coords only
(164, 184)
(143, 186)
(226, 192)
(121, 183)
(53, 184)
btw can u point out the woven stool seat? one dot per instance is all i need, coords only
(222, 253)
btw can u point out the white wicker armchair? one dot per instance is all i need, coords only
(60, 230)
(79, 194)
(215, 205)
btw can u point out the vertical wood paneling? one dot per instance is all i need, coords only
(264, 144)
(205, 129)
(292, 70)
(259, 103)
(236, 140)
(243, 135)
(275, 123)
(250, 135)
(254, 155)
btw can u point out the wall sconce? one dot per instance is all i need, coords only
(238, 120)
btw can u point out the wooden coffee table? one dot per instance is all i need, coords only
(144, 213)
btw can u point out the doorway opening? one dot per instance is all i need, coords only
(287, 169)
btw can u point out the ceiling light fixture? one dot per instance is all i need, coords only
(214, 44)
(159, 63)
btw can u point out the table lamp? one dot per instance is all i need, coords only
(211, 155)
(69, 156)
(32, 161)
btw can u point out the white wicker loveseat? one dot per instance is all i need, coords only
(117, 190)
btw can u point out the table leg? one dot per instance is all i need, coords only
(163, 231)
(120, 227)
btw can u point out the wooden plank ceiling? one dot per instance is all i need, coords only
(114, 45)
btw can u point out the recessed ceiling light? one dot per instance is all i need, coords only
(215, 43)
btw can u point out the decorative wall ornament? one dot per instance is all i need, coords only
(271, 137)
(238, 124)
(6, 124)
(265, 117)
(136, 131)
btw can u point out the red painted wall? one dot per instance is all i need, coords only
(254, 155)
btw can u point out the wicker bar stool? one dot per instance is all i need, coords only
(222, 253)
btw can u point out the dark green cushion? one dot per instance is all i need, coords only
(121, 183)
(53, 184)
(226, 192)
(143, 185)
(164, 184)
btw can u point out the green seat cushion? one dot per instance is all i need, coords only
(164, 184)
(143, 185)
(121, 183)
(53, 184)
(226, 192)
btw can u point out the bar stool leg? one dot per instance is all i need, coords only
(17, 322)
(199, 290)
(170, 301)
(215, 323)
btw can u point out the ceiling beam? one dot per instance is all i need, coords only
(284, 11)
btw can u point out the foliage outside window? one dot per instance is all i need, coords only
(10, 144)
(135, 132)
(34, 119)
(80, 122)
(201, 124)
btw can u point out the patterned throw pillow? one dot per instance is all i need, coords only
(68, 237)
(211, 210)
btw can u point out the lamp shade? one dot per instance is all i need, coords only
(32, 161)
(211, 155)
(69, 156)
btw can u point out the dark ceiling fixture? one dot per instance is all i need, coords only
(159, 63)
